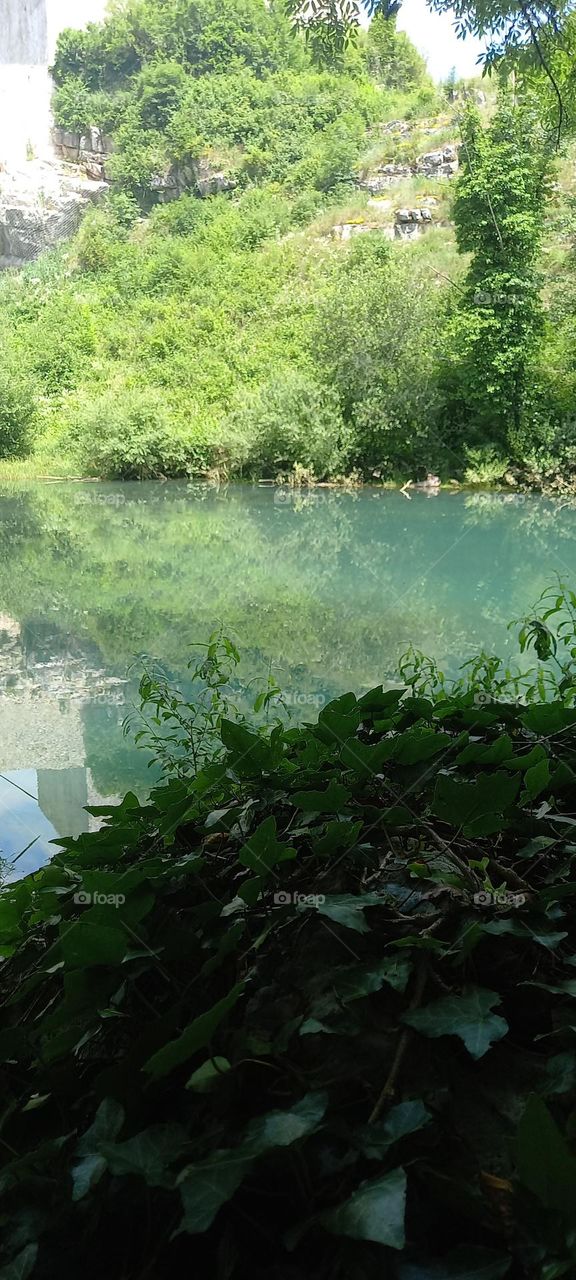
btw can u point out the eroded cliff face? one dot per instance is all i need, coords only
(29, 30)
(24, 32)
(40, 201)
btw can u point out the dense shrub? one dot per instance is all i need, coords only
(498, 325)
(128, 435)
(292, 420)
(100, 238)
(159, 90)
(378, 340)
(17, 413)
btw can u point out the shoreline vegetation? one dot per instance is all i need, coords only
(31, 471)
(219, 313)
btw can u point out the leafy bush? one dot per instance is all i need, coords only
(72, 105)
(129, 436)
(292, 420)
(498, 325)
(101, 236)
(159, 90)
(17, 413)
(485, 466)
(281, 1014)
(378, 339)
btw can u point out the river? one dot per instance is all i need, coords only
(327, 586)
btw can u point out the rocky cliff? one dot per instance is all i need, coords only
(40, 201)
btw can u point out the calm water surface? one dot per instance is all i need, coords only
(329, 587)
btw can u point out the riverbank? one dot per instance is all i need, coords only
(48, 469)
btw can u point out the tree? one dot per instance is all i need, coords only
(378, 340)
(509, 27)
(499, 213)
(392, 58)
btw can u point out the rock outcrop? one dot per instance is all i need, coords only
(347, 230)
(409, 223)
(441, 164)
(41, 204)
(91, 151)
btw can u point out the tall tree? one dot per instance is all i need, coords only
(499, 214)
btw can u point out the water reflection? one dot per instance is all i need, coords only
(327, 586)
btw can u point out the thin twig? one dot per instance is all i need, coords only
(390, 1085)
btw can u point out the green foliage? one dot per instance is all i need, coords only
(73, 105)
(393, 60)
(159, 88)
(127, 435)
(378, 338)
(17, 413)
(290, 421)
(198, 34)
(268, 1005)
(99, 241)
(499, 215)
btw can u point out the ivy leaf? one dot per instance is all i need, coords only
(196, 1036)
(488, 753)
(282, 1128)
(366, 760)
(337, 835)
(204, 1188)
(22, 1266)
(374, 1212)
(148, 1154)
(560, 1074)
(345, 909)
(86, 1174)
(544, 1161)
(105, 1127)
(250, 752)
(361, 980)
(547, 718)
(537, 778)
(468, 1016)
(477, 807)
(468, 1263)
(332, 800)
(419, 744)
(86, 943)
(380, 699)
(339, 720)
(262, 851)
(208, 1075)
(402, 1120)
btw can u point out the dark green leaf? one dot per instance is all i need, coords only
(195, 1037)
(374, 1212)
(468, 1016)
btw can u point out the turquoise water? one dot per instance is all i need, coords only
(326, 587)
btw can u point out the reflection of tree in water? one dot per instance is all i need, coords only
(116, 764)
(329, 586)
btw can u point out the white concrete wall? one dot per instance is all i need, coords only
(29, 30)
